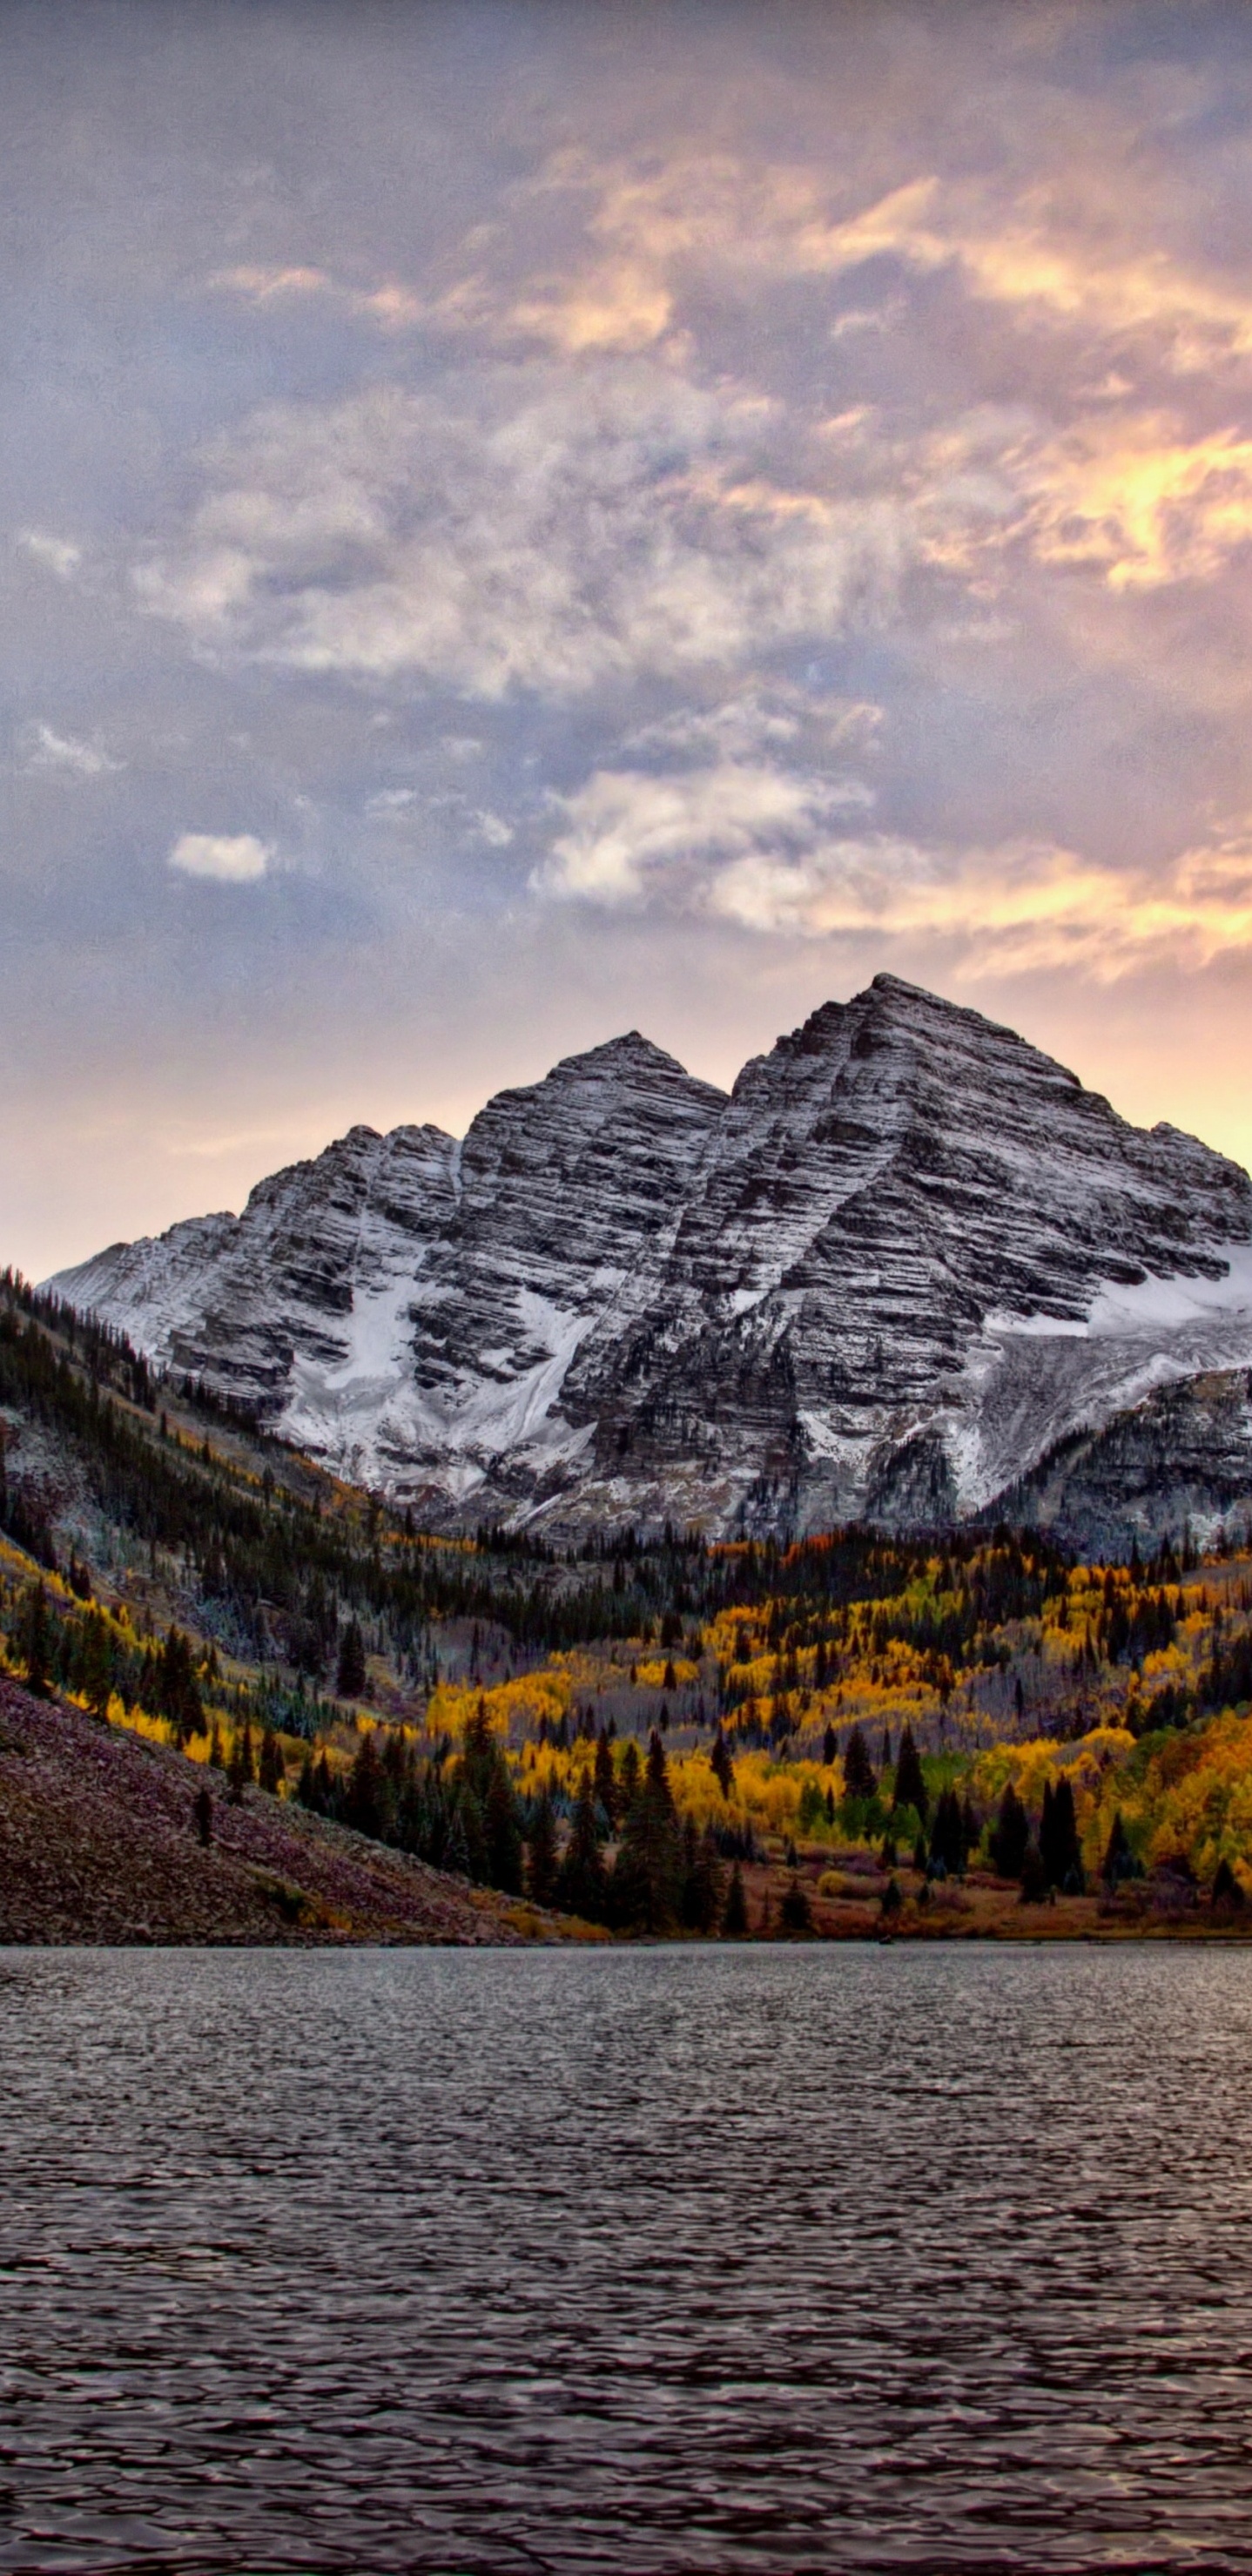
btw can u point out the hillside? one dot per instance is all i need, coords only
(98, 1842)
(906, 1259)
(672, 1736)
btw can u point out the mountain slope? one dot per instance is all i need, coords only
(98, 1843)
(907, 1257)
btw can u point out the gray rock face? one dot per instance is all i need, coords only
(1181, 1459)
(906, 1257)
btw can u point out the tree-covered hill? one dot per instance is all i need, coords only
(673, 1735)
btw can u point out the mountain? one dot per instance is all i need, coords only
(903, 1261)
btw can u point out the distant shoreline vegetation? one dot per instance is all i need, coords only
(956, 1734)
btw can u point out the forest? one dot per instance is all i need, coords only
(655, 1734)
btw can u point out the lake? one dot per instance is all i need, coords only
(629, 2260)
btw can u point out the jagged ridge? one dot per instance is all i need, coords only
(905, 1258)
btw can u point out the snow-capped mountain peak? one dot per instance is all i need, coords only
(904, 1257)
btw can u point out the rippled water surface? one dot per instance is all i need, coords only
(634, 2261)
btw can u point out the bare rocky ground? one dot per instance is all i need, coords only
(98, 1844)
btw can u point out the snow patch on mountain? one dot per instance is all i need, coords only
(905, 1257)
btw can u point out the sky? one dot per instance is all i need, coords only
(519, 522)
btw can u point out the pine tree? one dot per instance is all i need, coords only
(1059, 1847)
(271, 1770)
(503, 1832)
(606, 1780)
(581, 1881)
(795, 1914)
(367, 1801)
(703, 1880)
(947, 1849)
(1011, 1836)
(910, 1788)
(541, 1855)
(721, 1765)
(97, 1666)
(647, 1875)
(628, 1785)
(859, 1778)
(735, 1909)
(1227, 1891)
(350, 1670)
(1119, 1860)
(36, 1639)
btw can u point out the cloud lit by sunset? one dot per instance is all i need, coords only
(653, 519)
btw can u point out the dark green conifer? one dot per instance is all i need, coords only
(795, 1914)
(581, 1882)
(910, 1787)
(606, 1780)
(647, 1875)
(722, 1766)
(735, 1909)
(1010, 1837)
(859, 1778)
(541, 1852)
(350, 1670)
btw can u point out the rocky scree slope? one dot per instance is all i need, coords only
(98, 1843)
(907, 1257)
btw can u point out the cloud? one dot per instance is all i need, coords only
(1042, 252)
(756, 847)
(1140, 502)
(60, 556)
(631, 837)
(232, 858)
(545, 531)
(42, 748)
(393, 307)
(760, 717)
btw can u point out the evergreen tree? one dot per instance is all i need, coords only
(271, 1770)
(1059, 1848)
(647, 1875)
(1227, 1891)
(628, 1785)
(1011, 1836)
(910, 1788)
(795, 1914)
(503, 1832)
(859, 1779)
(541, 1855)
(606, 1780)
(96, 1680)
(36, 1639)
(720, 1763)
(830, 1746)
(350, 1670)
(581, 1881)
(368, 1802)
(735, 1909)
(947, 1842)
(1119, 1859)
(1034, 1875)
(703, 1880)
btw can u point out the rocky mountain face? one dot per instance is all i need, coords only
(904, 1260)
